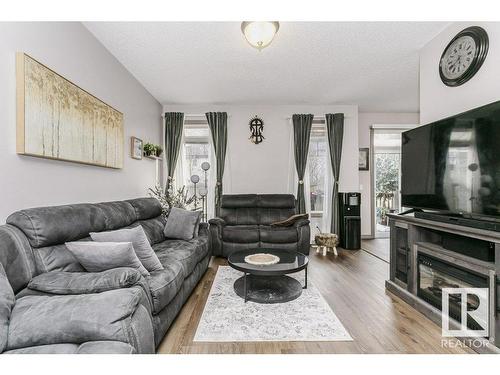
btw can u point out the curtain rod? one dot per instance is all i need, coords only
(193, 115)
(318, 117)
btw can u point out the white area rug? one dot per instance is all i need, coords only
(227, 318)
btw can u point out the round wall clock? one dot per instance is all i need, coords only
(463, 56)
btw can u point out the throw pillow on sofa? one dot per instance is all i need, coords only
(182, 224)
(140, 242)
(290, 221)
(102, 256)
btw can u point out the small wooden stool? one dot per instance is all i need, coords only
(326, 242)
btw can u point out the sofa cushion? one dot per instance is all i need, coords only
(102, 256)
(6, 303)
(164, 284)
(85, 282)
(44, 320)
(145, 208)
(140, 242)
(276, 201)
(153, 228)
(240, 216)
(240, 233)
(48, 226)
(90, 347)
(187, 253)
(16, 256)
(117, 214)
(272, 234)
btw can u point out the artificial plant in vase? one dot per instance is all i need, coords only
(169, 198)
(149, 149)
(158, 150)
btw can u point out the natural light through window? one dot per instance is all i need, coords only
(196, 150)
(317, 161)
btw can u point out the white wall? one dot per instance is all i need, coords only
(70, 50)
(263, 168)
(365, 121)
(437, 100)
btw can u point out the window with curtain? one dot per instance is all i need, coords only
(196, 149)
(317, 164)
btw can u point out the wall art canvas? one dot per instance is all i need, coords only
(58, 120)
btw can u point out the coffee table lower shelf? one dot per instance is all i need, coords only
(268, 289)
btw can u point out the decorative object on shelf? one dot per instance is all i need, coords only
(149, 149)
(172, 198)
(195, 179)
(262, 259)
(158, 151)
(56, 119)
(463, 56)
(256, 128)
(364, 159)
(259, 34)
(136, 148)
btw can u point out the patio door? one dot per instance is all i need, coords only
(386, 175)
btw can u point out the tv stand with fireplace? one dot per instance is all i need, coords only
(428, 255)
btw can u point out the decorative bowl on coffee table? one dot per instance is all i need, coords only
(268, 283)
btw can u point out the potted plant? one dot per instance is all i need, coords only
(149, 149)
(158, 150)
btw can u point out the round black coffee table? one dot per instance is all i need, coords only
(269, 283)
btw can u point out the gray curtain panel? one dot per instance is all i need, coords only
(335, 131)
(217, 121)
(302, 124)
(174, 122)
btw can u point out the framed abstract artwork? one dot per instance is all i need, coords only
(364, 159)
(56, 119)
(136, 148)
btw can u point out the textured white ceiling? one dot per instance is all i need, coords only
(372, 64)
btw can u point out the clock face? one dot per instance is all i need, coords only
(463, 56)
(458, 57)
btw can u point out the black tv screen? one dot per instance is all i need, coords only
(453, 165)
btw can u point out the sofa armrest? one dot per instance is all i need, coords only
(85, 282)
(217, 221)
(301, 223)
(116, 315)
(216, 226)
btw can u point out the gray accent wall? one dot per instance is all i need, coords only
(73, 52)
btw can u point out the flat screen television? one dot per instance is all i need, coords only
(453, 165)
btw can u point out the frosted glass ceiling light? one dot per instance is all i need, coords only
(259, 34)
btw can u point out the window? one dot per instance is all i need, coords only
(195, 151)
(317, 162)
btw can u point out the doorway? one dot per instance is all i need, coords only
(386, 175)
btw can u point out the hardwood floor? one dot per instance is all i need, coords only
(353, 285)
(378, 247)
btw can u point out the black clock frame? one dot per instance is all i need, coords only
(482, 42)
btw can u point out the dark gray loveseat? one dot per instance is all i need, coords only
(115, 311)
(245, 222)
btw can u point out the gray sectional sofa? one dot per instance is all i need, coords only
(50, 304)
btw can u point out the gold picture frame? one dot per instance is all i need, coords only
(57, 119)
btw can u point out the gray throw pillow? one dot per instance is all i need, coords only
(182, 224)
(139, 240)
(102, 256)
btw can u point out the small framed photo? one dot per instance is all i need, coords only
(136, 148)
(364, 159)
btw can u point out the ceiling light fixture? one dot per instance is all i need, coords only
(259, 34)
